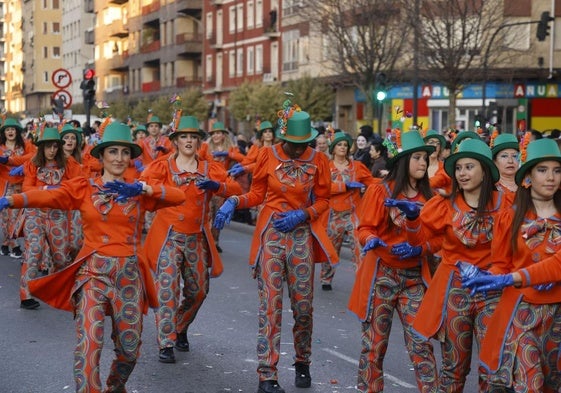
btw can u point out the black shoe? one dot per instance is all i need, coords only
(303, 378)
(326, 287)
(16, 252)
(182, 343)
(167, 355)
(269, 386)
(29, 304)
(219, 249)
(5, 250)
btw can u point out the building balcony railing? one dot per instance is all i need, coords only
(270, 27)
(116, 62)
(150, 8)
(89, 37)
(150, 87)
(215, 41)
(190, 42)
(118, 29)
(188, 82)
(151, 47)
(119, 2)
(188, 5)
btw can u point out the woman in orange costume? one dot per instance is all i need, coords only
(292, 180)
(14, 151)
(45, 237)
(505, 150)
(521, 349)
(464, 221)
(348, 178)
(179, 243)
(437, 175)
(109, 274)
(396, 278)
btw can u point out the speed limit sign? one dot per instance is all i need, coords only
(64, 96)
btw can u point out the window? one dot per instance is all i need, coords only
(259, 59)
(232, 63)
(56, 52)
(250, 60)
(46, 78)
(259, 13)
(208, 68)
(56, 4)
(45, 52)
(239, 65)
(290, 50)
(45, 28)
(232, 19)
(56, 27)
(209, 25)
(250, 15)
(239, 17)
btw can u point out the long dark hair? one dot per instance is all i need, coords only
(524, 203)
(39, 159)
(400, 175)
(19, 138)
(485, 193)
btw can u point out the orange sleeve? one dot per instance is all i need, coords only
(29, 151)
(228, 186)
(501, 251)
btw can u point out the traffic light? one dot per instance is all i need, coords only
(543, 26)
(381, 87)
(57, 106)
(88, 87)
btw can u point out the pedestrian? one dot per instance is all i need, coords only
(521, 349)
(322, 145)
(393, 275)
(292, 180)
(179, 244)
(361, 150)
(109, 276)
(14, 151)
(379, 158)
(46, 241)
(464, 222)
(437, 175)
(155, 145)
(348, 179)
(505, 148)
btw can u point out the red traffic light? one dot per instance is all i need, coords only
(89, 74)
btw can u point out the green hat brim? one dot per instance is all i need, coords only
(313, 134)
(503, 146)
(135, 149)
(199, 132)
(17, 127)
(440, 138)
(393, 160)
(450, 163)
(337, 140)
(461, 136)
(75, 132)
(39, 142)
(521, 172)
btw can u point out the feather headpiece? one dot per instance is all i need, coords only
(288, 109)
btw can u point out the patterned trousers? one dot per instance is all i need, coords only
(400, 290)
(183, 256)
(466, 315)
(531, 355)
(284, 256)
(113, 287)
(46, 245)
(9, 219)
(340, 224)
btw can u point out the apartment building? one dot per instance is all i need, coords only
(11, 57)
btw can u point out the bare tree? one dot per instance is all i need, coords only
(362, 38)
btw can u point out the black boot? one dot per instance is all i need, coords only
(29, 304)
(269, 386)
(303, 378)
(182, 343)
(167, 355)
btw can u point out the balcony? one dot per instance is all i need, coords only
(153, 46)
(117, 29)
(89, 6)
(270, 26)
(150, 87)
(187, 82)
(150, 8)
(188, 5)
(116, 63)
(189, 42)
(89, 37)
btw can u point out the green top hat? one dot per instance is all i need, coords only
(411, 142)
(432, 134)
(188, 124)
(218, 126)
(139, 128)
(298, 129)
(503, 142)
(49, 134)
(476, 149)
(544, 149)
(153, 119)
(338, 137)
(117, 134)
(11, 122)
(462, 136)
(68, 128)
(266, 125)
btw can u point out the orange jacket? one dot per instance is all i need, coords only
(192, 215)
(374, 223)
(233, 155)
(282, 184)
(149, 154)
(342, 199)
(116, 233)
(16, 158)
(447, 219)
(32, 182)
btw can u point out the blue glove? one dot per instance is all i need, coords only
(225, 213)
(372, 244)
(163, 149)
(4, 204)
(469, 271)
(17, 171)
(138, 165)
(489, 282)
(236, 170)
(207, 185)
(405, 250)
(544, 287)
(125, 190)
(287, 221)
(410, 209)
(220, 154)
(353, 184)
(3, 160)
(52, 187)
